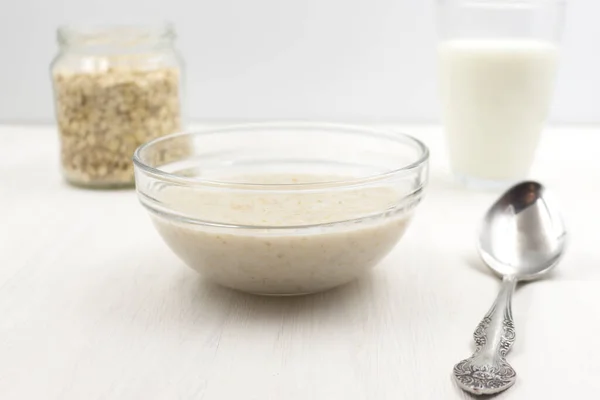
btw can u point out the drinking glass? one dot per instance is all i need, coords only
(497, 66)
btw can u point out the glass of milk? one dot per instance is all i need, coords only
(497, 63)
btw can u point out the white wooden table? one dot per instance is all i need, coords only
(94, 306)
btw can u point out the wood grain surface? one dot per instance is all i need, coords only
(93, 305)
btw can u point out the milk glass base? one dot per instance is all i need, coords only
(477, 183)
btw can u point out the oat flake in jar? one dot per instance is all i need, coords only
(115, 88)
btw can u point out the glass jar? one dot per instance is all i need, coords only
(115, 88)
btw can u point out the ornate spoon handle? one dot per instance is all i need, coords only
(486, 371)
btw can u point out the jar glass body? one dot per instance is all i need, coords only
(115, 88)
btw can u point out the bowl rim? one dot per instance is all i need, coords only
(422, 157)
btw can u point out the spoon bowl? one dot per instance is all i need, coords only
(522, 234)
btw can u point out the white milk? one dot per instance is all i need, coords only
(495, 97)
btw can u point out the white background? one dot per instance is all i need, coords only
(355, 60)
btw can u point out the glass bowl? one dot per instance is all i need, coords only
(282, 208)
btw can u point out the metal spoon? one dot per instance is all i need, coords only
(522, 237)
